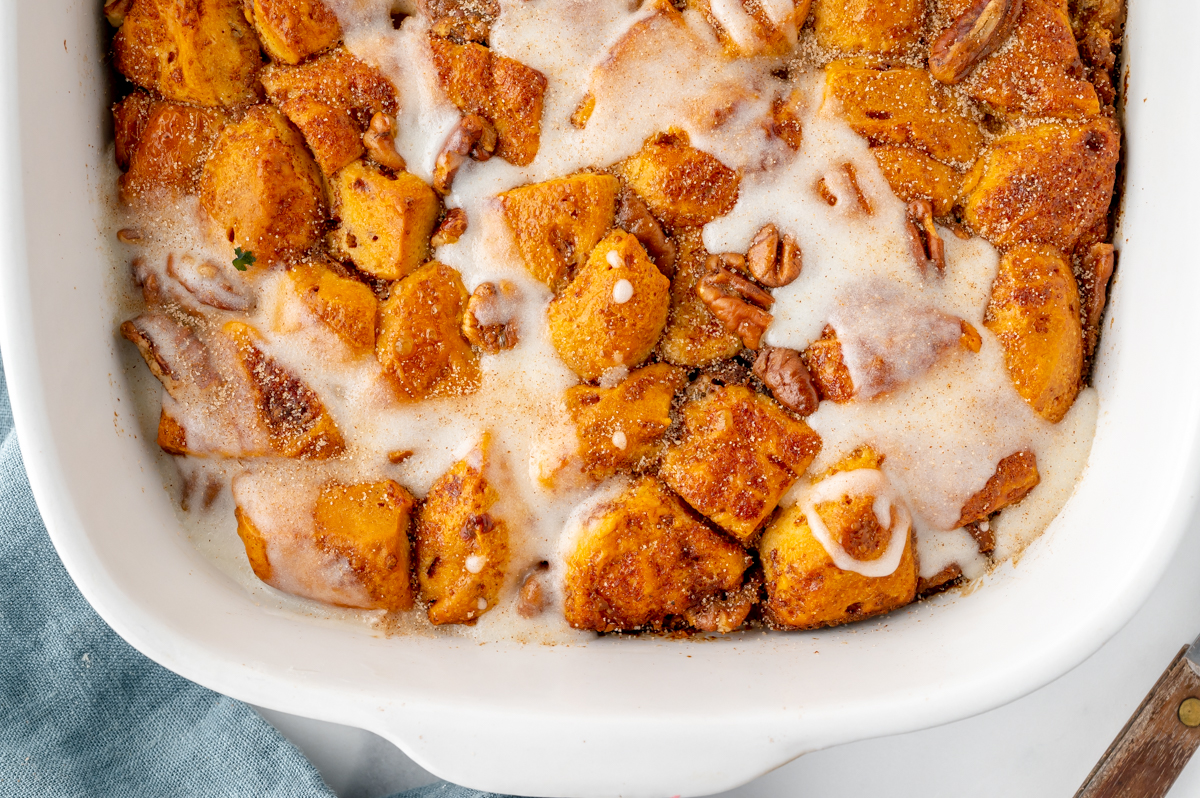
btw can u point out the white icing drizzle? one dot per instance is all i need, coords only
(622, 291)
(889, 510)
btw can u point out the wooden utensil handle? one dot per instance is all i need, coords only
(1156, 743)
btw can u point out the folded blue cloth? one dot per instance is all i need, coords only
(82, 713)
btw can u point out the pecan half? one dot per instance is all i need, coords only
(635, 218)
(739, 304)
(784, 372)
(774, 262)
(473, 137)
(927, 247)
(451, 228)
(973, 36)
(380, 142)
(489, 321)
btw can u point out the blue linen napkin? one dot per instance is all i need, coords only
(85, 715)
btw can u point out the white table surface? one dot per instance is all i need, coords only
(1041, 745)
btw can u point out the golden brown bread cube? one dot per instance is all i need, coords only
(263, 187)
(331, 99)
(292, 30)
(420, 343)
(739, 454)
(297, 423)
(1034, 312)
(693, 335)
(913, 175)
(386, 219)
(869, 26)
(360, 530)
(623, 426)
(612, 313)
(557, 223)
(170, 150)
(1015, 476)
(805, 587)
(503, 91)
(462, 546)
(191, 51)
(682, 185)
(1046, 184)
(1037, 73)
(830, 377)
(129, 120)
(346, 306)
(902, 106)
(645, 558)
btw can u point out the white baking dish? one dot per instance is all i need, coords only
(629, 717)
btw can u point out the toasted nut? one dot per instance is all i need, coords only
(739, 304)
(726, 613)
(398, 457)
(970, 337)
(927, 247)
(972, 37)
(772, 262)
(489, 321)
(635, 218)
(785, 122)
(462, 28)
(784, 372)
(827, 195)
(1097, 269)
(852, 179)
(475, 138)
(380, 141)
(984, 537)
(583, 111)
(451, 228)
(129, 235)
(533, 600)
(940, 581)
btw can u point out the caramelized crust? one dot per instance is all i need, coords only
(693, 335)
(503, 91)
(1045, 184)
(129, 121)
(739, 454)
(386, 219)
(913, 175)
(902, 106)
(1034, 313)
(623, 426)
(1015, 476)
(823, 357)
(420, 343)
(557, 223)
(295, 418)
(1037, 73)
(462, 545)
(292, 30)
(331, 99)
(645, 558)
(682, 185)
(190, 51)
(889, 27)
(170, 149)
(346, 306)
(591, 328)
(262, 186)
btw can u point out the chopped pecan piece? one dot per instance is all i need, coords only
(971, 338)
(474, 138)
(451, 228)
(973, 36)
(726, 613)
(583, 111)
(825, 194)
(739, 304)
(940, 581)
(927, 247)
(380, 142)
(783, 371)
(774, 262)
(532, 600)
(399, 456)
(852, 178)
(634, 217)
(489, 322)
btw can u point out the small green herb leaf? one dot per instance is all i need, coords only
(243, 259)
